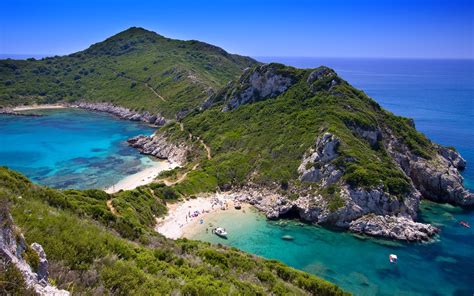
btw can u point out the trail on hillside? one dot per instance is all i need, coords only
(139, 81)
(111, 208)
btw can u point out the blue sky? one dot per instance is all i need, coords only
(318, 28)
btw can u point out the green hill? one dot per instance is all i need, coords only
(136, 68)
(87, 255)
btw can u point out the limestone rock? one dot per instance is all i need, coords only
(159, 146)
(316, 166)
(12, 248)
(400, 228)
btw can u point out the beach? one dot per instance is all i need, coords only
(142, 177)
(185, 216)
(38, 107)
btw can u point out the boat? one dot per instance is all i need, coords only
(287, 237)
(465, 224)
(219, 231)
(237, 206)
(393, 258)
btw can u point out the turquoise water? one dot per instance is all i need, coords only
(439, 95)
(70, 148)
(359, 264)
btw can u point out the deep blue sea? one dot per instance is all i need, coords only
(439, 95)
(71, 148)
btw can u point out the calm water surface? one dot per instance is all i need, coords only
(439, 95)
(70, 148)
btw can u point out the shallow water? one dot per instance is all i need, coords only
(71, 148)
(357, 263)
(439, 95)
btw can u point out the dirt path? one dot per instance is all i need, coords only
(139, 81)
(181, 178)
(112, 209)
(154, 91)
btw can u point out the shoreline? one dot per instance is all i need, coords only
(38, 107)
(177, 223)
(143, 177)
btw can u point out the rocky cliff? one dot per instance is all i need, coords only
(29, 260)
(161, 147)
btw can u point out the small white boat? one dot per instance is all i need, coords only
(219, 231)
(393, 258)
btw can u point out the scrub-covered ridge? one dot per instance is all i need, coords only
(91, 249)
(305, 141)
(136, 69)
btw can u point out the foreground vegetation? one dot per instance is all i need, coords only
(136, 68)
(91, 250)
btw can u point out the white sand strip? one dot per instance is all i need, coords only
(38, 107)
(143, 177)
(173, 224)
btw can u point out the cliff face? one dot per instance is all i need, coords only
(161, 147)
(14, 250)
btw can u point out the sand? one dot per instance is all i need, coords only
(38, 107)
(177, 223)
(143, 177)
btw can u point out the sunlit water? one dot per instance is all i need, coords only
(439, 96)
(70, 148)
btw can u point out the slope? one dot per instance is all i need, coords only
(136, 68)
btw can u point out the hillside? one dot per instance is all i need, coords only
(136, 69)
(320, 149)
(92, 250)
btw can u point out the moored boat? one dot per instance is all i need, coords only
(219, 231)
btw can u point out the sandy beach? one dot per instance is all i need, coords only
(38, 107)
(143, 177)
(178, 222)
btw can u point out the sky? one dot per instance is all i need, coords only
(291, 28)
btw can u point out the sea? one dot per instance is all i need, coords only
(439, 96)
(71, 148)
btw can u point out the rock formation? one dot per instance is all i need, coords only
(159, 146)
(122, 112)
(12, 251)
(266, 81)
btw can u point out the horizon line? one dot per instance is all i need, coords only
(25, 56)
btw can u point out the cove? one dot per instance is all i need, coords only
(360, 264)
(71, 148)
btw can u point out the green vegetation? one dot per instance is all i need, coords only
(11, 281)
(98, 257)
(264, 141)
(136, 68)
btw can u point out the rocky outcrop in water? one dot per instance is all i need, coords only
(159, 146)
(12, 251)
(389, 217)
(401, 228)
(122, 112)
